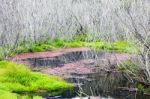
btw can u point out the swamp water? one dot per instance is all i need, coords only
(99, 85)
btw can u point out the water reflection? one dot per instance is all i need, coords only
(101, 84)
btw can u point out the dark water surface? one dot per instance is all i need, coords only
(99, 85)
(59, 61)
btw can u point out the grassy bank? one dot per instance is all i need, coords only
(16, 79)
(118, 46)
(41, 46)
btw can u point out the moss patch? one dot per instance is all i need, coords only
(16, 78)
(118, 46)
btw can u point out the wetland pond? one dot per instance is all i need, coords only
(93, 74)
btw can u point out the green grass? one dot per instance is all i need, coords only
(118, 46)
(19, 79)
(5, 94)
(127, 47)
(130, 67)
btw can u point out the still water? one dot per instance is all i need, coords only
(99, 85)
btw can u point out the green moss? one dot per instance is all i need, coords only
(7, 95)
(10, 95)
(74, 44)
(38, 47)
(18, 78)
(118, 46)
(58, 43)
(124, 46)
(29, 97)
(99, 45)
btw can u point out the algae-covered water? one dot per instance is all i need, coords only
(102, 84)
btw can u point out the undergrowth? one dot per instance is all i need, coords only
(135, 75)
